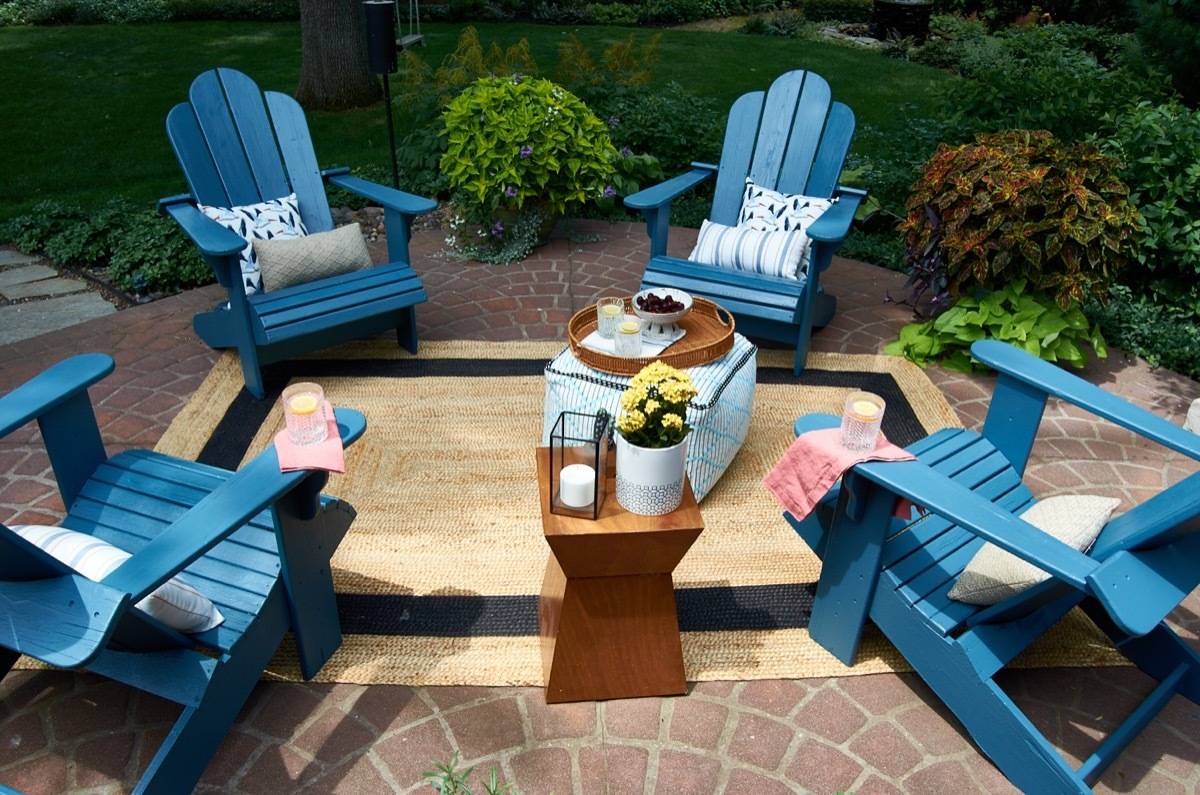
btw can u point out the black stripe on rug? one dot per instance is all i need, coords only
(245, 415)
(714, 609)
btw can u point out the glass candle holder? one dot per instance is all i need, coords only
(579, 464)
(628, 341)
(610, 312)
(304, 413)
(861, 420)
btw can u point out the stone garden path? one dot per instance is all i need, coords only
(35, 300)
(869, 734)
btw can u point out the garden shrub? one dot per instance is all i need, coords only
(611, 14)
(1159, 147)
(263, 10)
(1031, 321)
(143, 251)
(837, 10)
(1170, 30)
(665, 120)
(83, 12)
(788, 23)
(519, 146)
(1042, 78)
(1165, 336)
(1022, 205)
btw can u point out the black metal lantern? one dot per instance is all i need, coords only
(579, 464)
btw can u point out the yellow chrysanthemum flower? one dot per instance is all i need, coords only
(633, 397)
(652, 406)
(632, 421)
(672, 422)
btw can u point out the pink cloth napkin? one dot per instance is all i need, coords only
(815, 461)
(329, 455)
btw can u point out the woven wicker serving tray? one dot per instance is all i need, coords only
(709, 337)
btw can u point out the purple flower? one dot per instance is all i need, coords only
(626, 151)
(609, 191)
(511, 192)
(613, 121)
(498, 229)
(526, 151)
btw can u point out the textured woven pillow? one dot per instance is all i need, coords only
(306, 259)
(175, 603)
(277, 219)
(995, 574)
(771, 211)
(742, 249)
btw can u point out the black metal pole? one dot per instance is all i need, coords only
(387, 99)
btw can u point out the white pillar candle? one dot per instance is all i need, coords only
(577, 485)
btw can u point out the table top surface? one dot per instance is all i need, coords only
(613, 518)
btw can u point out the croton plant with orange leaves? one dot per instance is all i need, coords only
(1022, 205)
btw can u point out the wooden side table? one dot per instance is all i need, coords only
(607, 613)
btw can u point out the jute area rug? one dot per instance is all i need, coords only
(438, 578)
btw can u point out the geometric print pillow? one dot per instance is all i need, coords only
(750, 250)
(277, 219)
(771, 211)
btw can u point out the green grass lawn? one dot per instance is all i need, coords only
(84, 107)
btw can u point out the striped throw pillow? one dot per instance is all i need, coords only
(175, 603)
(742, 249)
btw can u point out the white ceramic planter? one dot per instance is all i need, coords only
(650, 480)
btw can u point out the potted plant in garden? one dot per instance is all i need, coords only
(520, 152)
(652, 433)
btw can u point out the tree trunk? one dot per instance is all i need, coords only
(333, 56)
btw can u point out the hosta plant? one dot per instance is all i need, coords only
(1021, 205)
(1031, 321)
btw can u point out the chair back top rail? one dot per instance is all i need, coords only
(793, 138)
(238, 145)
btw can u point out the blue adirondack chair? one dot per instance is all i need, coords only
(793, 139)
(238, 145)
(256, 542)
(1144, 563)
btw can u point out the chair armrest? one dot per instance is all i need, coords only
(666, 192)
(938, 494)
(1051, 380)
(210, 237)
(392, 199)
(834, 223)
(51, 388)
(248, 492)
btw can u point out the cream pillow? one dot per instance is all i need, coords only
(995, 574)
(175, 603)
(317, 256)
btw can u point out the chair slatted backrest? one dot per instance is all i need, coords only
(239, 146)
(793, 139)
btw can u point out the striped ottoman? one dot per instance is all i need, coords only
(720, 414)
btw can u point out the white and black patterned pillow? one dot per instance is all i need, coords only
(767, 210)
(277, 219)
(743, 249)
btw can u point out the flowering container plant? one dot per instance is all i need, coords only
(522, 148)
(652, 433)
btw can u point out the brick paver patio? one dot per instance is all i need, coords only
(871, 734)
